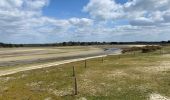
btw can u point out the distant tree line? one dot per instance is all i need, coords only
(81, 44)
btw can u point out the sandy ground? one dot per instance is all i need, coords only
(43, 55)
(136, 45)
(14, 56)
(24, 55)
(155, 96)
(20, 69)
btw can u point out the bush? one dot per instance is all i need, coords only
(147, 49)
(144, 49)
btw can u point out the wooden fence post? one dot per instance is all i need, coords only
(75, 86)
(75, 81)
(73, 71)
(85, 64)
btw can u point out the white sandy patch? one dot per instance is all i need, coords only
(64, 92)
(136, 45)
(155, 96)
(88, 85)
(3, 89)
(82, 98)
(49, 98)
(166, 55)
(22, 50)
(6, 79)
(161, 67)
(116, 73)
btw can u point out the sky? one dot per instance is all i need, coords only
(50, 21)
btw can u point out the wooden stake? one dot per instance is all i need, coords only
(75, 81)
(73, 71)
(75, 86)
(102, 59)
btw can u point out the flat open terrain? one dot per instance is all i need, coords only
(133, 76)
(13, 60)
(15, 56)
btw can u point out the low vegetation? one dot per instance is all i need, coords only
(144, 49)
(122, 77)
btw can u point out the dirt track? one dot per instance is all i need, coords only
(20, 56)
(66, 55)
(12, 71)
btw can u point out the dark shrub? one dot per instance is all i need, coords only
(144, 49)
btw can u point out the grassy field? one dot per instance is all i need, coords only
(132, 76)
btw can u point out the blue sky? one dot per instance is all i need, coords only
(64, 9)
(48, 21)
(68, 8)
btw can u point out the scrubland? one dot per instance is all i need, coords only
(129, 76)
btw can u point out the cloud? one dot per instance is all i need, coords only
(81, 22)
(148, 5)
(142, 22)
(103, 9)
(9, 4)
(21, 20)
(36, 4)
(166, 16)
(146, 11)
(123, 33)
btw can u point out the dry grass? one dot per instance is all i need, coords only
(130, 77)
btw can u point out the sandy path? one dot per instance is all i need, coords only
(18, 50)
(43, 55)
(20, 69)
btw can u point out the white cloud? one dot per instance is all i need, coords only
(81, 22)
(142, 22)
(103, 9)
(22, 19)
(149, 5)
(10, 4)
(146, 11)
(166, 16)
(36, 4)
